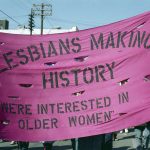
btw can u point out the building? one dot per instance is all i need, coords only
(4, 24)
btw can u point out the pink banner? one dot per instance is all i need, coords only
(76, 84)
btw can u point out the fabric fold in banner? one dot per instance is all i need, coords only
(75, 84)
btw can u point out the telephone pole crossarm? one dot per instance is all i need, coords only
(42, 10)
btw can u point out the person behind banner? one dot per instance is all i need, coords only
(47, 145)
(115, 136)
(95, 142)
(23, 145)
(142, 134)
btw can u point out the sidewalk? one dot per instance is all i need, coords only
(125, 142)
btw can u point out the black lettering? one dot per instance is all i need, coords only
(26, 60)
(43, 50)
(99, 102)
(64, 79)
(27, 124)
(51, 80)
(54, 122)
(90, 74)
(139, 39)
(68, 107)
(9, 60)
(45, 124)
(84, 105)
(60, 107)
(56, 79)
(100, 73)
(63, 46)
(11, 108)
(76, 75)
(21, 124)
(120, 39)
(110, 41)
(4, 107)
(123, 98)
(81, 120)
(91, 103)
(51, 49)
(34, 54)
(20, 109)
(74, 43)
(38, 108)
(75, 106)
(110, 68)
(43, 109)
(130, 40)
(99, 118)
(107, 116)
(107, 101)
(90, 119)
(72, 121)
(146, 42)
(38, 124)
(52, 108)
(95, 43)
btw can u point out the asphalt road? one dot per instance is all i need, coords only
(125, 142)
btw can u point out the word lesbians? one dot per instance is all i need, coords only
(99, 41)
(77, 76)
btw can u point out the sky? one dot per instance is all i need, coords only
(68, 13)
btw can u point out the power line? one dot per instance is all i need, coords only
(27, 4)
(39, 10)
(48, 22)
(71, 22)
(10, 17)
(19, 16)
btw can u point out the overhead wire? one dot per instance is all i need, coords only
(10, 17)
(70, 21)
(49, 22)
(19, 16)
(13, 17)
(27, 4)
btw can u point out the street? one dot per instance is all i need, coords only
(125, 142)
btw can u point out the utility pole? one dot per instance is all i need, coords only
(42, 10)
(31, 22)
